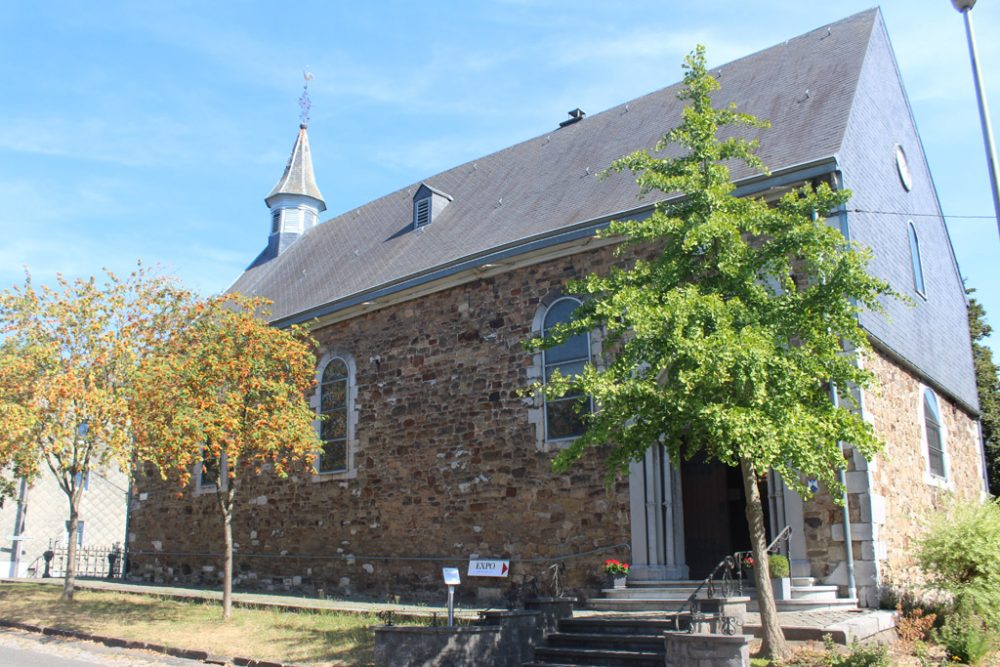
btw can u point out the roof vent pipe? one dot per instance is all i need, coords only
(574, 116)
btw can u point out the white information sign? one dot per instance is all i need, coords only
(489, 568)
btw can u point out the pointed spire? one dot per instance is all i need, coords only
(298, 178)
(295, 201)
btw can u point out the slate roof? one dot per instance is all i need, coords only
(298, 178)
(537, 188)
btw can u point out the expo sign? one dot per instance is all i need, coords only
(489, 568)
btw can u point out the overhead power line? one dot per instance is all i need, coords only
(918, 215)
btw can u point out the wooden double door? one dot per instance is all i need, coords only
(686, 519)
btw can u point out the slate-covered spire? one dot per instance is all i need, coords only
(298, 178)
(295, 201)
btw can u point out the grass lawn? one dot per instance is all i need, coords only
(302, 637)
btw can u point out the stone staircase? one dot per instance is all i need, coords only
(615, 641)
(807, 595)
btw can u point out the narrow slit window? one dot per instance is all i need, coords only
(333, 399)
(918, 267)
(935, 437)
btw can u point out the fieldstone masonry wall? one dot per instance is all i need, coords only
(893, 497)
(904, 494)
(446, 465)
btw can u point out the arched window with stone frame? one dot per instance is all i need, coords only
(562, 417)
(335, 409)
(934, 435)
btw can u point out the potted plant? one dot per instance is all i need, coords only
(745, 559)
(617, 572)
(781, 582)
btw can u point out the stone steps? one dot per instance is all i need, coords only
(611, 641)
(635, 604)
(605, 640)
(604, 657)
(806, 595)
(838, 604)
(620, 625)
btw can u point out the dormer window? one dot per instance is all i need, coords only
(428, 202)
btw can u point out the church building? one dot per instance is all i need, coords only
(420, 302)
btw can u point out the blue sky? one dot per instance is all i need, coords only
(154, 130)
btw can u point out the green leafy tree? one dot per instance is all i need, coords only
(988, 384)
(67, 368)
(229, 393)
(727, 341)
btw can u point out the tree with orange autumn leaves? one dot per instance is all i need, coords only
(68, 360)
(228, 392)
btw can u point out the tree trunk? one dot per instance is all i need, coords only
(774, 646)
(227, 575)
(74, 521)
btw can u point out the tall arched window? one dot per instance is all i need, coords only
(918, 267)
(933, 427)
(561, 418)
(333, 399)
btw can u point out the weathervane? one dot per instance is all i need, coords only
(304, 102)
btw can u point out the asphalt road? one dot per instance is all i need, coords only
(24, 649)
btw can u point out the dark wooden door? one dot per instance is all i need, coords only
(714, 514)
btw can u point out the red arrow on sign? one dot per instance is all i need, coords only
(503, 570)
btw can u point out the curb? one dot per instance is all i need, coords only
(116, 642)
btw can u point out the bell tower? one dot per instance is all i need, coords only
(295, 201)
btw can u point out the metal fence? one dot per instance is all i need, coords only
(104, 562)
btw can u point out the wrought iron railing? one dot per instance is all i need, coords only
(105, 562)
(778, 544)
(728, 577)
(728, 586)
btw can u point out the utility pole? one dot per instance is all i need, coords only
(965, 8)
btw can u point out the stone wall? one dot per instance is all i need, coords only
(446, 464)
(894, 497)
(824, 532)
(900, 481)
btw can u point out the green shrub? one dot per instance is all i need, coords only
(960, 552)
(779, 566)
(966, 639)
(858, 655)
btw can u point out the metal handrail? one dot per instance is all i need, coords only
(783, 536)
(728, 565)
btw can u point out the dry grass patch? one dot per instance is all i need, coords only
(300, 637)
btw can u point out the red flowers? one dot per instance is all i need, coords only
(613, 566)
